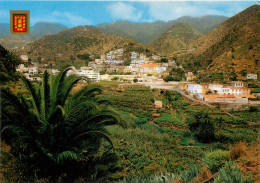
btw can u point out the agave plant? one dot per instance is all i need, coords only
(52, 131)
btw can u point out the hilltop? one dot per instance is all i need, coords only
(231, 47)
(145, 32)
(69, 43)
(39, 30)
(203, 24)
(177, 38)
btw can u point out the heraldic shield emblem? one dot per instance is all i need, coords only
(20, 22)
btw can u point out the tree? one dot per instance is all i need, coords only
(168, 78)
(8, 62)
(202, 126)
(54, 132)
(164, 60)
(115, 78)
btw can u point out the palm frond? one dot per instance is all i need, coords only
(35, 99)
(95, 133)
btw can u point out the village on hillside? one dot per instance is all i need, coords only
(143, 69)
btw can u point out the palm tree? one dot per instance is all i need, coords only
(8, 61)
(53, 132)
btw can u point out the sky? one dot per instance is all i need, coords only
(75, 13)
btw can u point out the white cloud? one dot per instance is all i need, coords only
(171, 10)
(124, 11)
(65, 18)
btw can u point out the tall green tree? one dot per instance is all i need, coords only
(53, 132)
(201, 124)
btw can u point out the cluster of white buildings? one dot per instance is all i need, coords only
(235, 92)
(87, 72)
(114, 57)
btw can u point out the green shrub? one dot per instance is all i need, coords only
(253, 109)
(202, 126)
(186, 134)
(230, 136)
(140, 121)
(231, 173)
(216, 159)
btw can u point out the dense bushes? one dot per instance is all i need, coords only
(202, 126)
(140, 121)
(216, 159)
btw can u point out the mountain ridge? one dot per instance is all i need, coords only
(178, 37)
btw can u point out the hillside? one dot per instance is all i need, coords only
(4, 29)
(69, 43)
(203, 24)
(39, 30)
(141, 32)
(145, 32)
(231, 47)
(177, 38)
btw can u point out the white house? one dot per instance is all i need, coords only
(21, 68)
(161, 69)
(90, 74)
(235, 90)
(133, 55)
(195, 88)
(55, 71)
(139, 61)
(33, 70)
(31, 77)
(251, 76)
(215, 88)
(114, 61)
(237, 83)
(24, 58)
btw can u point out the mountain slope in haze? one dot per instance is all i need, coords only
(79, 40)
(145, 32)
(233, 46)
(41, 29)
(203, 24)
(141, 32)
(177, 38)
(37, 31)
(4, 29)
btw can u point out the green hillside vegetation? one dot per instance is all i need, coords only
(79, 41)
(177, 38)
(232, 47)
(150, 146)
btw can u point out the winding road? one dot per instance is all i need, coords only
(174, 86)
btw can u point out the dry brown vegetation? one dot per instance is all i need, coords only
(250, 161)
(237, 150)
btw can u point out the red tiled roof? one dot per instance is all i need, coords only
(219, 96)
(233, 87)
(150, 65)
